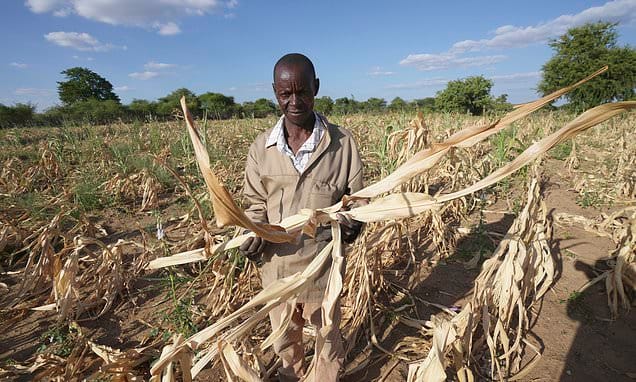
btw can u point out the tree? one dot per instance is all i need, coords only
(470, 95)
(581, 51)
(398, 104)
(83, 84)
(264, 107)
(373, 105)
(168, 104)
(260, 108)
(18, 115)
(424, 104)
(501, 104)
(323, 105)
(344, 105)
(94, 112)
(217, 106)
(142, 109)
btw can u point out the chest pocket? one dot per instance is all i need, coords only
(323, 195)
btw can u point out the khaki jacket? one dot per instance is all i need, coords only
(275, 190)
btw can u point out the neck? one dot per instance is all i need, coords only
(293, 130)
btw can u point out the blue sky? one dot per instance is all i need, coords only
(410, 49)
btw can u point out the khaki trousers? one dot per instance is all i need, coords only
(289, 346)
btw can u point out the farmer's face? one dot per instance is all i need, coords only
(295, 88)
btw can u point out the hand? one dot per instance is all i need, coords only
(349, 228)
(252, 248)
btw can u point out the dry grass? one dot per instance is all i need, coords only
(59, 248)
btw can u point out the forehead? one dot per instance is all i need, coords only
(293, 73)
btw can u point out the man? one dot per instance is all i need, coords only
(302, 162)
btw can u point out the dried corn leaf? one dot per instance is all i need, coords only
(426, 159)
(225, 210)
(410, 204)
(235, 366)
(400, 206)
(515, 277)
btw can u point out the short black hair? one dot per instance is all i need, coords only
(295, 59)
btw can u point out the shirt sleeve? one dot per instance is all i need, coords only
(354, 183)
(253, 191)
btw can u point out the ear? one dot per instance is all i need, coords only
(316, 86)
(274, 87)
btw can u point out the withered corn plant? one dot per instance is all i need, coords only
(219, 340)
(492, 328)
(620, 278)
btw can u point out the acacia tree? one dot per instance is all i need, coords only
(170, 103)
(143, 109)
(470, 95)
(581, 51)
(344, 105)
(374, 105)
(323, 105)
(83, 84)
(217, 105)
(398, 104)
(427, 104)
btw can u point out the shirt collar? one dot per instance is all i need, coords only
(277, 136)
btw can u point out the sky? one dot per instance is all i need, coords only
(361, 49)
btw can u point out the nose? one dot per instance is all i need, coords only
(293, 100)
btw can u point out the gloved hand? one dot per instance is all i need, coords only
(252, 248)
(349, 228)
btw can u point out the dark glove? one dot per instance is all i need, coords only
(349, 228)
(252, 248)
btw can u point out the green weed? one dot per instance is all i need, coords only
(562, 150)
(179, 318)
(87, 195)
(477, 242)
(570, 254)
(59, 340)
(588, 199)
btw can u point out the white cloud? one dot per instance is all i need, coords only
(426, 83)
(152, 69)
(19, 65)
(438, 82)
(161, 16)
(80, 41)
(123, 88)
(516, 76)
(510, 36)
(145, 75)
(43, 6)
(33, 92)
(259, 87)
(377, 71)
(63, 12)
(158, 65)
(76, 57)
(427, 61)
(168, 29)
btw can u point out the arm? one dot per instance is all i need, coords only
(256, 196)
(354, 183)
(253, 191)
(351, 228)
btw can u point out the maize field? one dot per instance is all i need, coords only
(495, 248)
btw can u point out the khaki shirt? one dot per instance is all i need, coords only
(275, 190)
